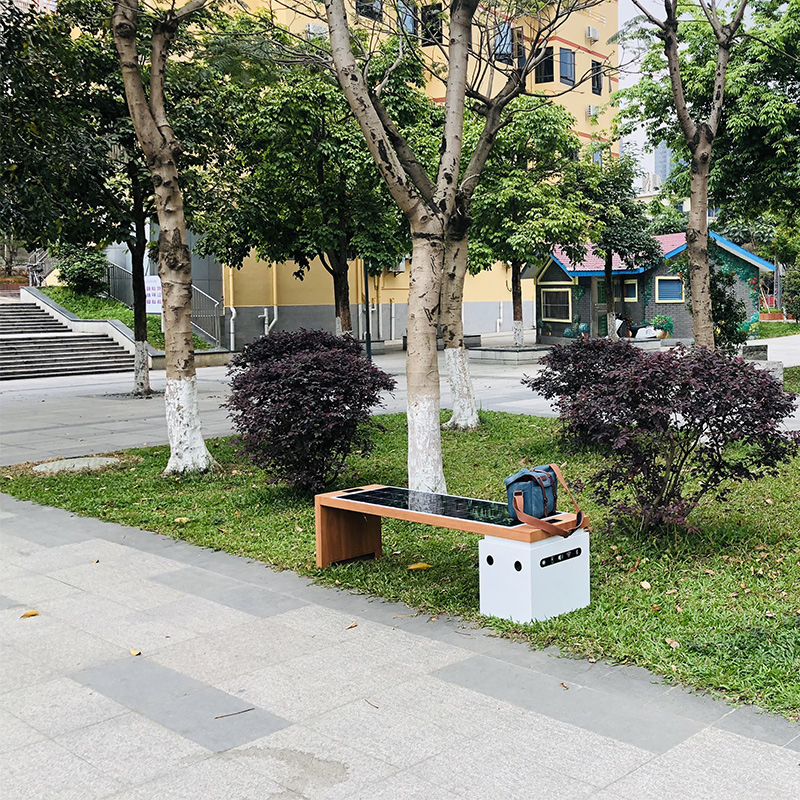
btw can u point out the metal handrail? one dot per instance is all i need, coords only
(205, 309)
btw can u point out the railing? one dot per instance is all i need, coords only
(205, 309)
(120, 284)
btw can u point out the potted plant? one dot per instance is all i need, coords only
(663, 324)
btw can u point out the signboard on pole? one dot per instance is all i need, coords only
(152, 291)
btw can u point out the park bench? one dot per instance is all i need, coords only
(517, 579)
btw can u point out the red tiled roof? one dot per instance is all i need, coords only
(595, 263)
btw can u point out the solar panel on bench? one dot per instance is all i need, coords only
(443, 505)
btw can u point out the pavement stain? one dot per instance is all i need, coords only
(301, 766)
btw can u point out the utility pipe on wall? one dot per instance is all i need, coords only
(391, 319)
(499, 324)
(233, 330)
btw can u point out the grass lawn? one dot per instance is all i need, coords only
(105, 308)
(791, 379)
(769, 330)
(730, 595)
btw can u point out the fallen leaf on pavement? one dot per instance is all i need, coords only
(351, 625)
(564, 686)
(30, 614)
(135, 652)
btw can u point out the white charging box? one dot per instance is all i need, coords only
(526, 582)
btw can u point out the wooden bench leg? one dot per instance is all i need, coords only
(344, 535)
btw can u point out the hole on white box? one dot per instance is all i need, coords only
(490, 560)
(518, 566)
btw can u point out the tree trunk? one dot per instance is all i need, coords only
(697, 247)
(425, 471)
(465, 410)
(341, 296)
(188, 452)
(611, 306)
(516, 302)
(141, 366)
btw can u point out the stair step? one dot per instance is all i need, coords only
(76, 370)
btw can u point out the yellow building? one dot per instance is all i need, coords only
(578, 55)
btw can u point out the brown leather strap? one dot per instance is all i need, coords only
(518, 503)
(561, 480)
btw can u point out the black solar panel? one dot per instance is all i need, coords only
(443, 505)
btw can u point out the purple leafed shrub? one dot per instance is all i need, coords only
(676, 424)
(301, 401)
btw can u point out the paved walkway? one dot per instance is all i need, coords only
(253, 684)
(256, 684)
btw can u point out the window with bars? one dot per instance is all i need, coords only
(557, 305)
(518, 47)
(597, 77)
(631, 291)
(544, 72)
(566, 58)
(370, 8)
(431, 23)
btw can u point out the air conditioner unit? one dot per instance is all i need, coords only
(592, 34)
(315, 30)
(592, 111)
(401, 267)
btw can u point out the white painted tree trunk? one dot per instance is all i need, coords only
(188, 451)
(425, 473)
(141, 370)
(338, 326)
(465, 410)
(612, 326)
(519, 335)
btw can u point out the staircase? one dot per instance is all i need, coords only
(35, 345)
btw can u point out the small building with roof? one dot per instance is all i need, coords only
(570, 295)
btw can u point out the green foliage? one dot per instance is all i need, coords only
(84, 270)
(665, 218)
(662, 322)
(529, 199)
(791, 290)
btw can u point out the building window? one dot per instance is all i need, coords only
(502, 47)
(602, 325)
(566, 58)
(407, 19)
(556, 305)
(544, 69)
(601, 292)
(669, 290)
(370, 8)
(518, 46)
(431, 19)
(631, 291)
(597, 158)
(597, 77)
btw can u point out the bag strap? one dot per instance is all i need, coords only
(561, 480)
(518, 503)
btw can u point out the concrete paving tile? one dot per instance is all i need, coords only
(214, 778)
(699, 706)
(137, 683)
(65, 648)
(47, 536)
(311, 764)
(473, 772)
(628, 681)
(14, 626)
(131, 748)
(19, 669)
(60, 705)
(756, 723)
(392, 736)
(7, 602)
(213, 719)
(199, 615)
(716, 764)
(224, 654)
(15, 733)
(200, 582)
(608, 715)
(143, 632)
(564, 748)
(83, 610)
(258, 601)
(407, 786)
(47, 770)
(32, 588)
(310, 685)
